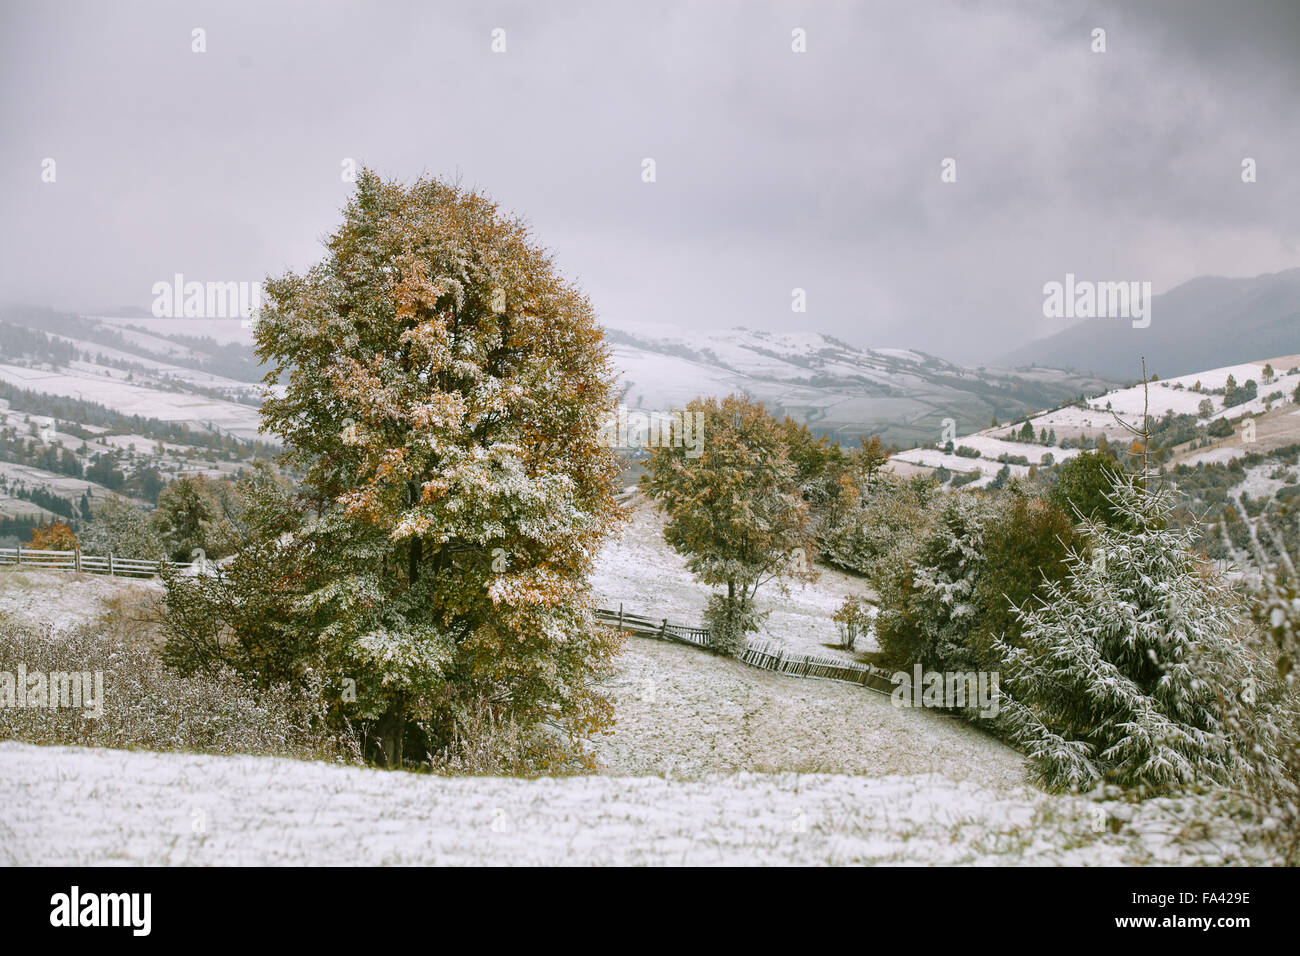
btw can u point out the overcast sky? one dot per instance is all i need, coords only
(775, 169)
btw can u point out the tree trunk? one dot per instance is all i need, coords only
(392, 734)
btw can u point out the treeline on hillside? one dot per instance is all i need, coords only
(18, 341)
(68, 412)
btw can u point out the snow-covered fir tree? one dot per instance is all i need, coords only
(927, 593)
(1124, 671)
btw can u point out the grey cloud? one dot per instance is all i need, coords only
(775, 170)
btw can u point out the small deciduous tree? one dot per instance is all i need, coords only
(851, 619)
(736, 512)
(56, 536)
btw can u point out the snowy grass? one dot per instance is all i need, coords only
(64, 600)
(686, 713)
(72, 807)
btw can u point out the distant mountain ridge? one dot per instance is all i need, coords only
(1206, 322)
(836, 388)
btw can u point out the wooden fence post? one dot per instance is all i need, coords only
(110, 564)
(20, 552)
(663, 631)
(620, 615)
(76, 559)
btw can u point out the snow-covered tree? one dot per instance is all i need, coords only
(927, 591)
(736, 512)
(1124, 668)
(442, 388)
(123, 530)
(1270, 720)
(873, 516)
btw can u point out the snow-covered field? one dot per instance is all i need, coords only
(221, 331)
(710, 762)
(75, 807)
(61, 599)
(682, 712)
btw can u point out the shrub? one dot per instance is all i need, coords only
(56, 536)
(729, 621)
(486, 741)
(148, 706)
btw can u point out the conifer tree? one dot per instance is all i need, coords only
(1123, 669)
(736, 512)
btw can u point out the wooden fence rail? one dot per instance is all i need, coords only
(757, 654)
(90, 563)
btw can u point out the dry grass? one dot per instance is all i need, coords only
(148, 707)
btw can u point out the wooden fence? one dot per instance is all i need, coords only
(757, 654)
(655, 627)
(89, 563)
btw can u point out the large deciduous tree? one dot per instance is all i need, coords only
(441, 388)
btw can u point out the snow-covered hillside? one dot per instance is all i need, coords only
(1097, 417)
(709, 761)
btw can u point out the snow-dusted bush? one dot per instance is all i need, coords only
(123, 530)
(729, 621)
(1124, 669)
(486, 741)
(874, 519)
